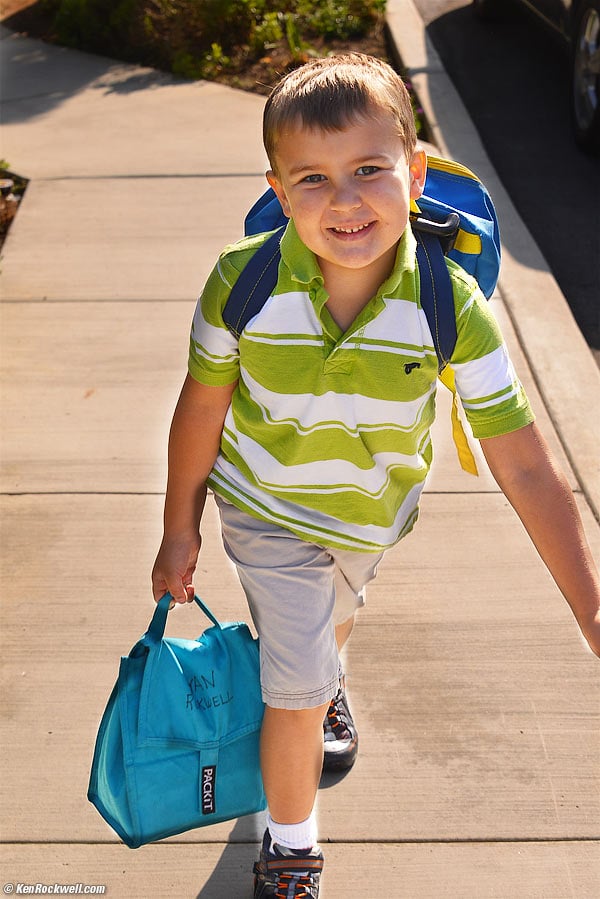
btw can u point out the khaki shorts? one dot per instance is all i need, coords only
(297, 593)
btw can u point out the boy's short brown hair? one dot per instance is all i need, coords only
(329, 93)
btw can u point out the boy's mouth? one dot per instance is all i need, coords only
(355, 229)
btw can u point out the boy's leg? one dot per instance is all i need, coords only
(289, 585)
(343, 631)
(291, 761)
(298, 595)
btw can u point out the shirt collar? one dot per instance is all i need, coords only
(401, 282)
(301, 262)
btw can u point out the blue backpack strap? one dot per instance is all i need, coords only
(437, 299)
(254, 285)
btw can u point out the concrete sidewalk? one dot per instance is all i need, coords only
(476, 701)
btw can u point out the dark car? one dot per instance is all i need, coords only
(578, 22)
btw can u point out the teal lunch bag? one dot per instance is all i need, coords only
(178, 744)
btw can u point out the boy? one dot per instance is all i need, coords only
(313, 431)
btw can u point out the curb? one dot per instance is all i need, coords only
(561, 362)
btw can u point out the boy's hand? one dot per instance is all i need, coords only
(174, 568)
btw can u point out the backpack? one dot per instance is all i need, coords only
(454, 217)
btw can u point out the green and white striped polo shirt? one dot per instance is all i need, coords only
(328, 432)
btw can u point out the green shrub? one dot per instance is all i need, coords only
(267, 32)
(95, 25)
(341, 19)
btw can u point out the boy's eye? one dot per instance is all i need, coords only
(313, 179)
(367, 170)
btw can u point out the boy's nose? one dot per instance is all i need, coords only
(345, 197)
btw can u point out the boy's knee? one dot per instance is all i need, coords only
(297, 717)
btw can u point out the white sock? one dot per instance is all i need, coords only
(294, 836)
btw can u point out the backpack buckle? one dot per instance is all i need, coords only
(446, 230)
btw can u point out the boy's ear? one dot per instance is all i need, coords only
(418, 171)
(275, 183)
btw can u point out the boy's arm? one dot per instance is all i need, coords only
(535, 486)
(193, 448)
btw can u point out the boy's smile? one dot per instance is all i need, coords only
(349, 194)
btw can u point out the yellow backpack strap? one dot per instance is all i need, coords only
(461, 441)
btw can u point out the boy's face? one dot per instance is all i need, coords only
(348, 192)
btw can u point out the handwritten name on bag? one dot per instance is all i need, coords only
(198, 698)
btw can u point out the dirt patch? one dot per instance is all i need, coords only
(260, 77)
(12, 188)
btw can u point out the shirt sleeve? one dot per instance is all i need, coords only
(491, 393)
(213, 355)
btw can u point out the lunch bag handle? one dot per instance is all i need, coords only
(156, 629)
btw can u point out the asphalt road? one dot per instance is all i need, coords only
(513, 77)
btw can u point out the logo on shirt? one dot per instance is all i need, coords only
(410, 366)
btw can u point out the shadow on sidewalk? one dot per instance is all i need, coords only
(232, 875)
(37, 77)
